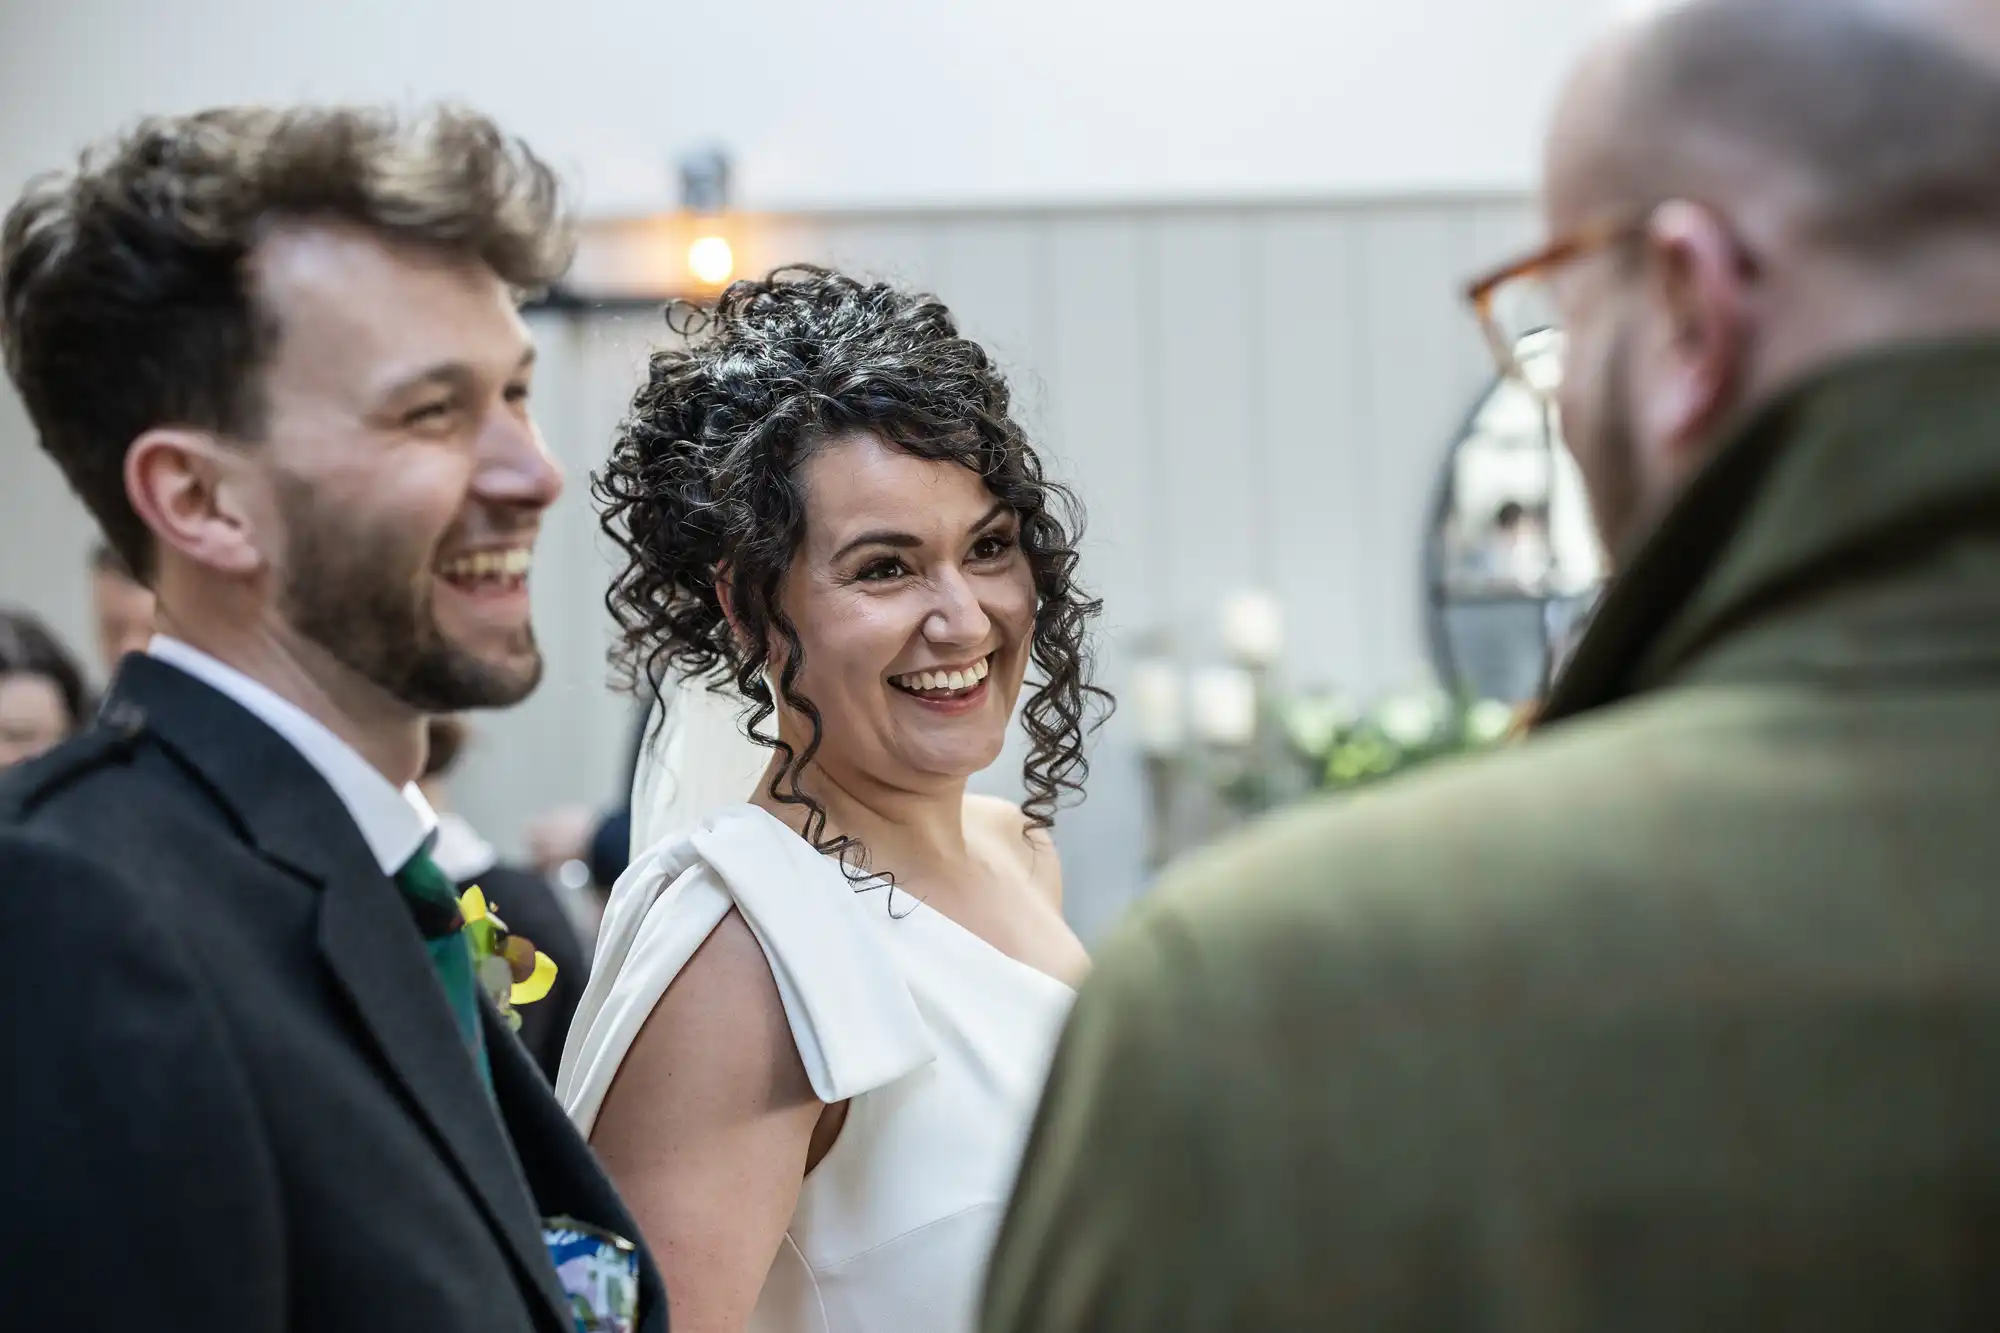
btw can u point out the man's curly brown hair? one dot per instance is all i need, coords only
(705, 476)
(126, 301)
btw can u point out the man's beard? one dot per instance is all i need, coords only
(1617, 504)
(364, 597)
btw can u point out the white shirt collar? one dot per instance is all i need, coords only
(459, 850)
(394, 823)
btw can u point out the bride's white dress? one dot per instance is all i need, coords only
(938, 1042)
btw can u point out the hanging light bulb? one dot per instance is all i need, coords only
(705, 199)
(711, 261)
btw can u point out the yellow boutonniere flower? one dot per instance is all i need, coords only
(510, 969)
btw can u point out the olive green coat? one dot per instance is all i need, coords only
(1684, 1014)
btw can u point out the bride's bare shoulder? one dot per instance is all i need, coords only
(1003, 825)
(716, 1042)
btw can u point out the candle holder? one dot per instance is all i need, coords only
(1253, 629)
(1157, 706)
(1163, 787)
(1212, 744)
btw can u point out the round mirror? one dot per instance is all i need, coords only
(1512, 561)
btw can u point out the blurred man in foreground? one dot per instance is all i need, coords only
(1684, 1013)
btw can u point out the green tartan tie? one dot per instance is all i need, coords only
(434, 901)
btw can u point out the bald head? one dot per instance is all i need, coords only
(1790, 183)
(1863, 122)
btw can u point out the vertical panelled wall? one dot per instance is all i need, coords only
(1253, 396)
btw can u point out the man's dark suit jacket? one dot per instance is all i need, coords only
(237, 1096)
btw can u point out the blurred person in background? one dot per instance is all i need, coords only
(1683, 1013)
(43, 699)
(522, 899)
(1515, 552)
(279, 356)
(598, 840)
(121, 606)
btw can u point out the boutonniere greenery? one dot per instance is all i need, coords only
(510, 969)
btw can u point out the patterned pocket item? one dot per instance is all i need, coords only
(599, 1272)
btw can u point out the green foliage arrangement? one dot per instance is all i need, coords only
(1344, 747)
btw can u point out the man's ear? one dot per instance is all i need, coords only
(1699, 286)
(194, 493)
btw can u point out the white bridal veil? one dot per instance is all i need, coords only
(696, 761)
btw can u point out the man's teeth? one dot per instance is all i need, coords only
(945, 680)
(489, 564)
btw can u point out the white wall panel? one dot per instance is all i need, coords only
(862, 104)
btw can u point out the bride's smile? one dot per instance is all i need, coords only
(944, 682)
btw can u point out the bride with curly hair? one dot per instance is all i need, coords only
(818, 1024)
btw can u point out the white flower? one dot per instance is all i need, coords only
(1314, 722)
(1410, 719)
(1488, 721)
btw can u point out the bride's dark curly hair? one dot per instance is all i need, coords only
(705, 477)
